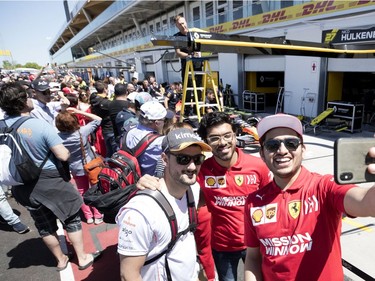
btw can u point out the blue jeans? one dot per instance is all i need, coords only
(227, 264)
(6, 211)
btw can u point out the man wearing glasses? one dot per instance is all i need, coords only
(293, 224)
(144, 228)
(226, 179)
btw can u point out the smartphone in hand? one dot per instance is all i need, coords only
(351, 159)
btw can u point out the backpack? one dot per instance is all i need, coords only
(116, 180)
(17, 167)
(168, 210)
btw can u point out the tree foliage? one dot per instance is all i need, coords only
(32, 65)
(8, 65)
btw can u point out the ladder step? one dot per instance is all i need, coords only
(208, 104)
(199, 73)
(198, 88)
(200, 103)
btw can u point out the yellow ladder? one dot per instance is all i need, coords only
(199, 104)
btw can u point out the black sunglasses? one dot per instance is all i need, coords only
(183, 159)
(273, 145)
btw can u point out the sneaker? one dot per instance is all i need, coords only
(90, 221)
(20, 228)
(98, 220)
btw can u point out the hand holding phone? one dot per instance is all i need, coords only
(351, 160)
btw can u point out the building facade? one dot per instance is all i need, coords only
(110, 37)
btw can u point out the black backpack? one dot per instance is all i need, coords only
(17, 167)
(117, 179)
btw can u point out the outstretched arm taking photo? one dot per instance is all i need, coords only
(360, 202)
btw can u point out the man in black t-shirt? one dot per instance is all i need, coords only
(100, 106)
(183, 54)
(119, 103)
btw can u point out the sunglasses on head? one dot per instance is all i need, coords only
(183, 159)
(273, 145)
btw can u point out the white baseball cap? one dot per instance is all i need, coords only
(153, 110)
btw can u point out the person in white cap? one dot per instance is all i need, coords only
(127, 118)
(151, 120)
(293, 224)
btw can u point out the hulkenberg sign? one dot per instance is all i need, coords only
(337, 36)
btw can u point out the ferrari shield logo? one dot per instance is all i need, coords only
(294, 208)
(239, 180)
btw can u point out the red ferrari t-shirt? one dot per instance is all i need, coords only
(225, 191)
(298, 230)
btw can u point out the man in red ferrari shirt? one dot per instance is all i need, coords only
(293, 224)
(226, 179)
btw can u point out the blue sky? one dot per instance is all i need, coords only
(28, 28)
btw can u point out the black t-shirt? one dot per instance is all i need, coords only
(184, 49)
(114, 108)
(100, 107)
(173, 99)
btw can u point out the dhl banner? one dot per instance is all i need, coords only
(291, 13)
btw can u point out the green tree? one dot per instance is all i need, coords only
(7, 65)
(32, 65)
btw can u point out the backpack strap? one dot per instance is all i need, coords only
(168, 210)
(15, 127)
(141, 146)
(19, 122)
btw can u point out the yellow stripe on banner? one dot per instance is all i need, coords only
(356, 224)
(279, 46)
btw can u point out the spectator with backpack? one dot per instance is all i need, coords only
(75, 139)
(127, 118)
(145, 232)
(49, 197)
(151, 121)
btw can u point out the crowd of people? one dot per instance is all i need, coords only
(80, 120)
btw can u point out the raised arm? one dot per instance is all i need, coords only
(84, 113)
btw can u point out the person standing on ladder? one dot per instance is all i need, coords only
(184, 54)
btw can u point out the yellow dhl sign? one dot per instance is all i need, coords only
(290, 13)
